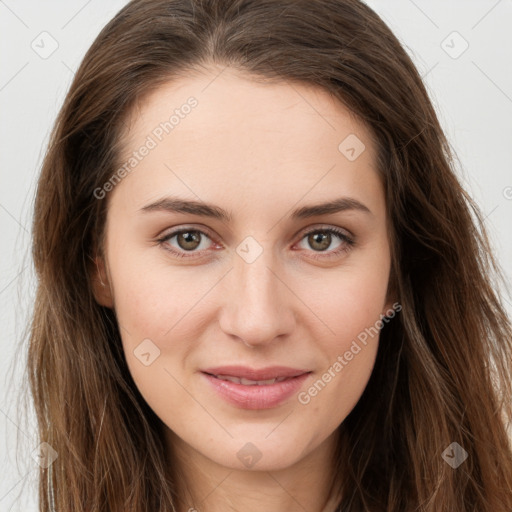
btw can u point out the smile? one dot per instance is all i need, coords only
(249, 382)
(254, 394)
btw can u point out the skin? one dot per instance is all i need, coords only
(257, 150)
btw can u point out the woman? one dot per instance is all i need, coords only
(260, 282)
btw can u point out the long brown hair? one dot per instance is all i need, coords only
(443, 371)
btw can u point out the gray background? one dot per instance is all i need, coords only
(471, 90)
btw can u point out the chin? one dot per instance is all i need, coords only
(255, 453)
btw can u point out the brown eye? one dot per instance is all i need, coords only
(326, 242)
(319, 240)
(188, 240)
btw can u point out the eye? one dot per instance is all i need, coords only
(193, 241)
(320, 239)
(187, 240)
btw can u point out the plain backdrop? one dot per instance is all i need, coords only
(462, 48)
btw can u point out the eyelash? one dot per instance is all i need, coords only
(347, 242)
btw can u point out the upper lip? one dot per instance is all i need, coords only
(245, 372)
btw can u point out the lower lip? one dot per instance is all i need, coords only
(256, 397)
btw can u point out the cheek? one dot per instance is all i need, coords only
(349, 358)
(150, 297)
(159, 312)
(149, 307)
(349, 303)
(347, 300)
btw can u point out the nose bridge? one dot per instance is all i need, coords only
(258, 307)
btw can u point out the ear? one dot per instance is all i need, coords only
(392, 303)
(101, 284)
(388, 308)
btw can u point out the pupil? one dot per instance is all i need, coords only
(324, 239)
(191, 240)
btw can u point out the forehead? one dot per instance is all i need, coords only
(254, 137)
(255, 108)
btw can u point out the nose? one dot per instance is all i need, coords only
(258, 305)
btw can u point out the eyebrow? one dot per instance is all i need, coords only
(177, 205)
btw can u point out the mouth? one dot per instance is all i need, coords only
(248, 388)
(249, 382)
(254, 375)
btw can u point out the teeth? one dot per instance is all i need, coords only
(228, 377)
(249, 382)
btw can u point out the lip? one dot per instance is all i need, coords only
(246, 372)
(254, 397)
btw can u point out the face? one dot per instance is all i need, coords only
(249, 281)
